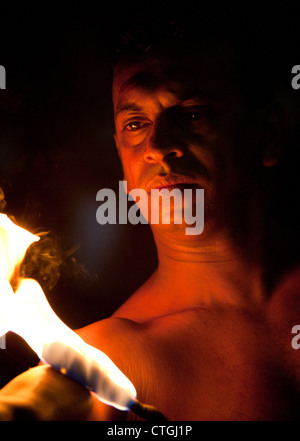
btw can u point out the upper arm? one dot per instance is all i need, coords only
(149, 354)
(123, 341)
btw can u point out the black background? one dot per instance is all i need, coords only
(57, 149)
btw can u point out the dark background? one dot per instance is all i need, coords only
(57, 149)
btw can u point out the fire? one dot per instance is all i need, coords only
(27, 313)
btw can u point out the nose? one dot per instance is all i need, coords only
(156, 154)
(163, 146)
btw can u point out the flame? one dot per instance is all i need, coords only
(28, 314)
(13, 245)
(14, 242)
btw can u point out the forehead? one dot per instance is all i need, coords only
(203, 68)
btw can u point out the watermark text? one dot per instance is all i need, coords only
(2, 77)
(163, 206)
(2, 342)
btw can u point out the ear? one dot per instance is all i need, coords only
(272, 133)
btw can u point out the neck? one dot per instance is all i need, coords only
(231, 268)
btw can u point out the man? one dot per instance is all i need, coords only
(208, 336)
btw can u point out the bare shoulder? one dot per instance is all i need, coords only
(117, 337)
(145, 352)
(120, 329)
(123, 338)
(106, 327)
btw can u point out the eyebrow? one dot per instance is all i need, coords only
(134, 107)
(125, 107)
(147, 81)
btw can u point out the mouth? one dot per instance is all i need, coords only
(171, 183)
(181, 186)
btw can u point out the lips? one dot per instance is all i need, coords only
(171, 183)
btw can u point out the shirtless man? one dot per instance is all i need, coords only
(208, 336)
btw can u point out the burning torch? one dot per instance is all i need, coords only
(27, 313)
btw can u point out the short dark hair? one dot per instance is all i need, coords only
(145, 30)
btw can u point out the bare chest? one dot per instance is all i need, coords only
(227, 367)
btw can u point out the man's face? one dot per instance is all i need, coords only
(181, 122)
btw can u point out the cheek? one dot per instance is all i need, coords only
(127, 161)
(210, 153)
(132, 168)
(226, 154)
(233, 145)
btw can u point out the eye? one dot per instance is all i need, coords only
(136, 125)
(193, 115)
